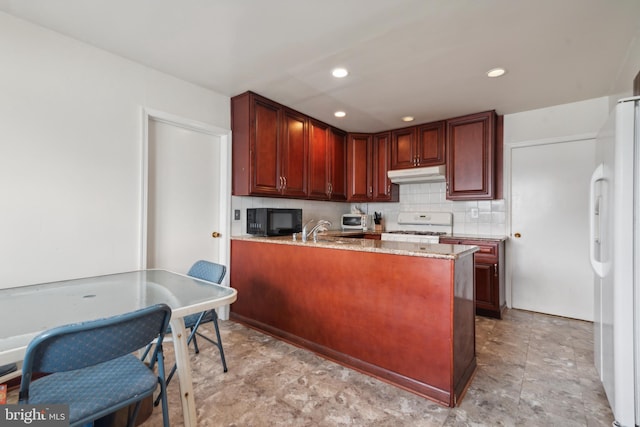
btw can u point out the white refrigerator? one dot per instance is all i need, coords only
(615, 257)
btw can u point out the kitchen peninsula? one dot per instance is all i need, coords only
(401, 312)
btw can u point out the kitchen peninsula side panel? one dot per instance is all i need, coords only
(406, 320)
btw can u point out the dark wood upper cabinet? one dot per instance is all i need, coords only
(319, 161)
(280, 152)
(256, 143)
(294, 154)
(471, 165)
(327, 162)
(418, 146)
(403, 148)
(359, 177)
(499, 156)
(338, 165)
(368, 160)
(431, 143)
(269, 150)
(383, 189)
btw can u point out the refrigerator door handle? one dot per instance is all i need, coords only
(598, 267)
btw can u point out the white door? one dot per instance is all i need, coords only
(183, 190)
(550, 271)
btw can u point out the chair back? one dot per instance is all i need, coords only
(80, 345)
(207, 270)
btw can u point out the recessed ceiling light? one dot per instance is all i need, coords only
(496, 72)
(339, 114)
(408, 118)
(340, 72)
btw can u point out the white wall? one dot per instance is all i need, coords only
(579, 121)
(70, 152)
(577, 118)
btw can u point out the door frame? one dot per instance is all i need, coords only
(148, 114)
(508, 151)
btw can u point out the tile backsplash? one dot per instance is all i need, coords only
(484, 217)
(481, 217)
(311, 209)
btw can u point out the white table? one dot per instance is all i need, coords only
(28, 310)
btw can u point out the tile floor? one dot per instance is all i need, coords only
(533, 370)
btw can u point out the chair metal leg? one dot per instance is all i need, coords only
(219, 343)
(146, 352)
(192, 337)
(132, 419)
(163, 390)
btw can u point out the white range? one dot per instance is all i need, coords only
(420, 227)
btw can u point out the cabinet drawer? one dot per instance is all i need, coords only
(488, 250)
(487, 253)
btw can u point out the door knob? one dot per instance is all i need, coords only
(215, 234)
(517, 235)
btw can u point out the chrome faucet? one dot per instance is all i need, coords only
(321, 225)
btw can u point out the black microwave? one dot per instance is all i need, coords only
(273, 221)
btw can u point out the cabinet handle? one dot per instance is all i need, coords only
(330, 188)
(281, 185)
(371, 191)
(284, 178)
(495, 270)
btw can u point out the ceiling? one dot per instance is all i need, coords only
(424, 58)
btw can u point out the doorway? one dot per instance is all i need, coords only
(185, 193)
(548, 247)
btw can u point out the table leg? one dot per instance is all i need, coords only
(184, 371)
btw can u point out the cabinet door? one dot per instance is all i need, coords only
(294, 154)
(382, 188)
(485, 287)
(430, 143)
(319, 161)
(338, 165)
(403, 148)
(470, 157)
(265, 143)
(359, 153)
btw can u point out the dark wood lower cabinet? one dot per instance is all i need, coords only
(489, 275)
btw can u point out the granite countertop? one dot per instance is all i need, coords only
(339, 240)
(491, 237)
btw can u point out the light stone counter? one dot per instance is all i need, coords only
(337, 240)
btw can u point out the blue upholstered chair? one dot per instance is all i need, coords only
(92, 368)
(211, 272)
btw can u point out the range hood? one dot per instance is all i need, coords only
(416, 175)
